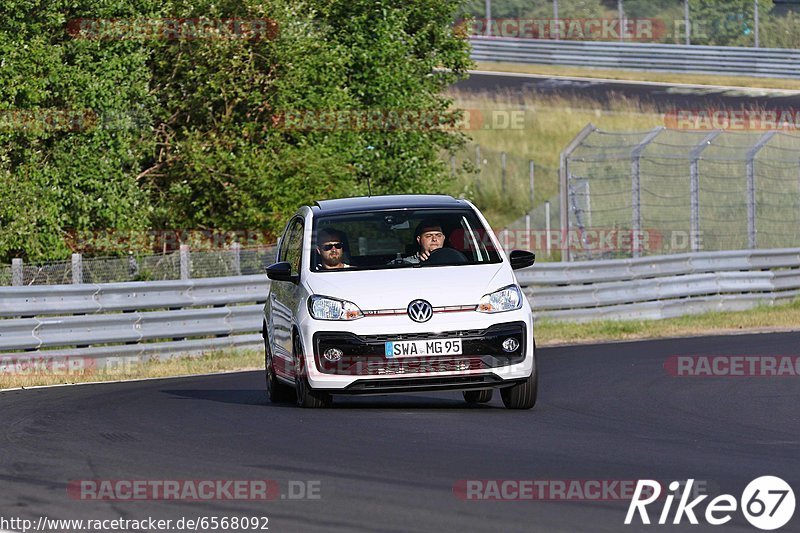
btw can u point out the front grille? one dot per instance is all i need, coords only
(418, 366)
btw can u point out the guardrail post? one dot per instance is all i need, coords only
(186, 262)
(694, 189)
(77, 269)
(16, 272)
(636, 214)
(751, 187)
(236, 250)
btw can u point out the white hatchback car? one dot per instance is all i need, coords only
(403, 293)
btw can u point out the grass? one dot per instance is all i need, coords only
(765, 317)
(635, 75)
(548, 333)
(546, 124)
(133, 368)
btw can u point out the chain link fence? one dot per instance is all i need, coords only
(669, 191)
(743, 24)
(236, 261)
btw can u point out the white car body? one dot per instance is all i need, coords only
(384, 296)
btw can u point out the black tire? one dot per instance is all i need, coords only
(304, 394)
(522, 395)
(277, 391)
(478, 396)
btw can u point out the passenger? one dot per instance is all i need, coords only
(330, 247)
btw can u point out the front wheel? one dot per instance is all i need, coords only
(306, 396)
(523, 394)
(277, 391)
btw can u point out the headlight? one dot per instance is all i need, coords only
(506, 299)
(324, 308)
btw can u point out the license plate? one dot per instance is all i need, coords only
(423, 348)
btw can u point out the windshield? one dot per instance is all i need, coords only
(400, 239)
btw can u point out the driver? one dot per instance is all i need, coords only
(430, 237)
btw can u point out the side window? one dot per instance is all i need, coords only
(292, 246)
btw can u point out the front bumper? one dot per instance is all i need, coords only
(365, 355)
(364, 367)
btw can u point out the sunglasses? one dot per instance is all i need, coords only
(331, 245)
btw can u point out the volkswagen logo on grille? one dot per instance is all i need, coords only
(420, 311)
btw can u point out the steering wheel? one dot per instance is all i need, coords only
(446, 256)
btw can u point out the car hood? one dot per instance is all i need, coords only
(396, 288)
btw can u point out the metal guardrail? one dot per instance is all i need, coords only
(156, 319)
(721, 60)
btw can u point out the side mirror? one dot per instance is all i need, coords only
(281, 272)
(521, 259)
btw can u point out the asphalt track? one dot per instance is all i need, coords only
(663, 97)
(389, 464)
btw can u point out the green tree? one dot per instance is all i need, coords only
(220, 160)
(725, 22)
(68, 156)
(189, 133)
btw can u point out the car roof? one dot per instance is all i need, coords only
(394, 201)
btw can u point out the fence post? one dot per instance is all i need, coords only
(236, 249)
(452, 165)
(694, 189)
(527, 233)
(549, 242)
(751, 188)
(479, 166)
(77, 269)
(555, 34)
(503, 171)
(488, 18)
(687, 22)
(186, 262)
(755, 21)
(563, 186)
(636, 197)
(530, 179)
(16, 272)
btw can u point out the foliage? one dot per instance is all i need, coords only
(781, 32)
(57, 176)
(190, 133)
(726, 22)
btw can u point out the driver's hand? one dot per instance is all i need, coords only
(424, 255)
